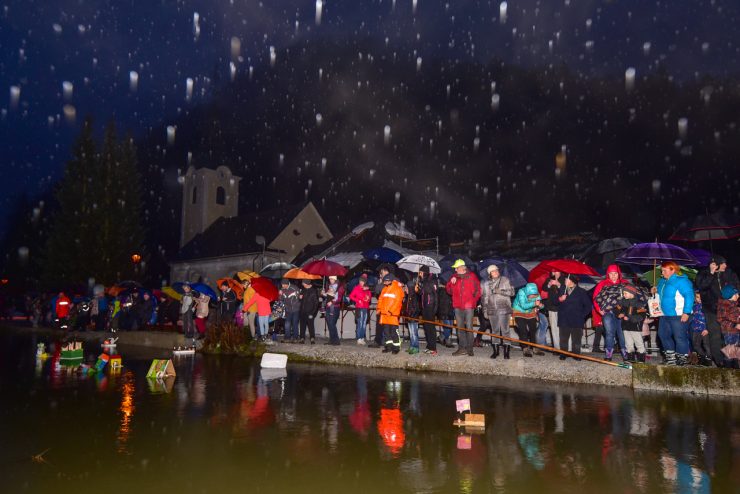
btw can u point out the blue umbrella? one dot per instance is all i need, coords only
(515, 272)
(205, 289)
(198, 287)
(372, 280)
(382, 254)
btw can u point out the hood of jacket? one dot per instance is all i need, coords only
(531, 289)
(613, 268)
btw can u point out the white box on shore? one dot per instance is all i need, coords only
(274, 361)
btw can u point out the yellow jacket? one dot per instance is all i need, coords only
(247, 297)
(390, 302)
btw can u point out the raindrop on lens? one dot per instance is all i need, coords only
(133, 80)
(70, 113)
(236, 47)
(232, 70)
(319, 11)
(170, 135)
(319, 119)
(15, 96)
(418, 64)
(188, 89)
(273, 56)
(67, 90)
(656, 187)
(683, 127)
(629, 78)
(495, 101)
(502, 12)
(387, 134)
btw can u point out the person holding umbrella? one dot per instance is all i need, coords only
(390, 303)
(249, 312)
(289, 296)
(526, 311)
(496, 293)
(383, 270)
(573, 309)
(677, 303)
(333, 299)
(428, 297)
(186, 311)
(309, 308)
(264, 310)
(361, 296)
(465, 290)
(226, 303)
(604, 305)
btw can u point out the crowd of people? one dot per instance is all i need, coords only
(697, 322)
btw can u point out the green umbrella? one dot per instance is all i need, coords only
(654, 274)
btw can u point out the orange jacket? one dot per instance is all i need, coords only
(390, 302)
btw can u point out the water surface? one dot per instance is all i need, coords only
(224, 426)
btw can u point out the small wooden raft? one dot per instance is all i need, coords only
(471, 420)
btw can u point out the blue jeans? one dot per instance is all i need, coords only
(542, 329)
(613, 328)
(291, 325)
(263, 325)
(674, 334)
(361, 322)
(414, 333)
(447, 332)
(332, 316)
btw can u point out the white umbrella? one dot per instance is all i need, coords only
(413, 262)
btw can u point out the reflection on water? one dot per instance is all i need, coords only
(224, 423)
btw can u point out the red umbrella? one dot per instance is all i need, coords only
(324, 267)
(265, 288)
(540, 272)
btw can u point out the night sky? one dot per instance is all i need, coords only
(147, 63)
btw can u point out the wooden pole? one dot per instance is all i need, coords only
(521, 342)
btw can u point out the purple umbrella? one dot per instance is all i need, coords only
(650, 254)
(703, 256)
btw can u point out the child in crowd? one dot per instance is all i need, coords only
(631, 310)
(699, 335)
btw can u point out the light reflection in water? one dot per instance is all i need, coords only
(127, 412)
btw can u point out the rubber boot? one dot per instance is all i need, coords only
(640, 357)
(682, 359)
(670, 357)
(496, 350)
(625, 355)
(646, 341)
(705, 361)
(507, 352)
(608, 355)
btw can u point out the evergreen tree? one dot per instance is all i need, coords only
(72, 231)
(98, 225)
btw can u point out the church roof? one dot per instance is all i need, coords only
(237, 235)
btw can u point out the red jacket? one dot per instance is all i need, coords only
(465, 291)
(63, 306)
(595, 315)
(263, 305)
(361, 296)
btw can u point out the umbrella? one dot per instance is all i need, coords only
(171, 292)
(603, 253)
(372, 280)
(382, 254)
(447, 261)
(324, 267)
(415, 261)
(716, 226)
(654, 274)
(246, 275)
(651, 253)
(540, 272)
(276, 270)
(703, 256)
(609, 294)
(233, 284)
(299, 274)
(515, 272)
(266, 288)
(205, 289)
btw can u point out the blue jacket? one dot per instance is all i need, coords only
(522, 302)
(676, 295)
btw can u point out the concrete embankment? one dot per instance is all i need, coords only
(547, 368)
(162, 340)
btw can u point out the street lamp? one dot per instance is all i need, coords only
(263, 242)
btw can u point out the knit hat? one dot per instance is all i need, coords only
(363, 276)
(387, 277)
(631, 289)
(491, 268)
(728, 291)
(458, 264)
(424, 269)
